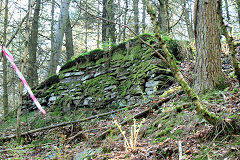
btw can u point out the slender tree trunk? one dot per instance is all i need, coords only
(119, 21)
(14, 91)
(98, 26)
(0, 4)
(227, 11)
(136, 16)
(52, 36)
(162, 16)
(187, 19)
(111, 16)
(104, 23)
(167, 15)
(33, 68)
(238, 9)
(125, 19)
(86, 27)
(69, 39)
(144, 16)
(232, 49)
(18, 130)
(58, 36)
(208, 67)
(5, 76)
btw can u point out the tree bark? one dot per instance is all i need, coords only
(162, 16)
(238, 9)
(51, 62)
(5, 75)
(58, 36)
(170, 60)
(188, 20)
(33, 43)
(208, 67)
(111, 16)
(227, 11)
(104, 23)
(98, 26)
(125, 19)
(144, 16)
(119, 35)
(86, 27)
(232, 48)
(136, 16)
(18, 130)
(69, 39)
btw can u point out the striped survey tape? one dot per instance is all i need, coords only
(11, 60)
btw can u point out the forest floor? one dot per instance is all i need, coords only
(172, 128)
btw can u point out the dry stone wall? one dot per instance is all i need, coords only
(128, 74)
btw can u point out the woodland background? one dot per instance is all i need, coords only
(84, 32)
(43, 35)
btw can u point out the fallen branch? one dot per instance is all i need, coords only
(67, 123)
(24, 147)
(15, 149)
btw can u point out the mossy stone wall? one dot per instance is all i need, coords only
(130, 74)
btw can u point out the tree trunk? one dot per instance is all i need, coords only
(5, 79)
(98, 26)
(238, 9)
(170, 60)
(69, 39)
(111, 16)
(136, 15)
(125, 19)
(18, 130)
(232, 49)
(58, 36)
(188, 20)
(227, 11)
(144, 16)
(162, 16)
(32, 69)
(208, 67)
(119, 21)
(167, 16)
(86, 27)
(104, 23)
(52, 37)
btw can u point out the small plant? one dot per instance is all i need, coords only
(131, 144)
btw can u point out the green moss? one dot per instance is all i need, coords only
(73, 68)
(164, 132)
(100, 61)
(117, 57)
(178, 132)
(96, 85)
(96, 51)
(162, 139)
(136, 53)
(179, 108)
(146, 37)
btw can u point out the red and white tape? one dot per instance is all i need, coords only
(11, 60)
